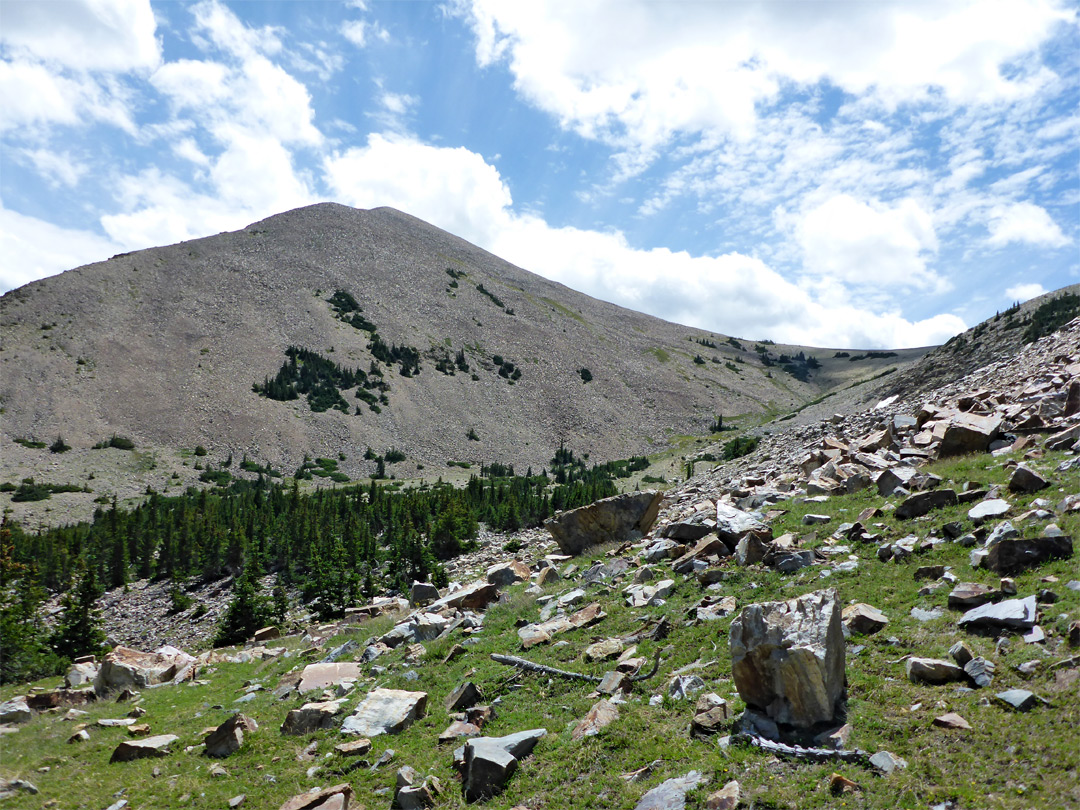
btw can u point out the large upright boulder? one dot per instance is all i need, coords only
(1020, 553)
(610, 520)
(487, 763)
(787, 658)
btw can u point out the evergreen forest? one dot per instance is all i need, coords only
(337, 546)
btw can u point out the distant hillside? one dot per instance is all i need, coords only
(405, 338)
(992, 340)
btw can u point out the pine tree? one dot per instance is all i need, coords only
(249, 610)
(79, 631)
(24, 655)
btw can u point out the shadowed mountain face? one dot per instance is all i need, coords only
(164, 346)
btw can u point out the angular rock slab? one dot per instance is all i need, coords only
(787, 658)
(671, 794)
(476, 596)
(489, 762)
(922, 503)
(385, 711)
(16, 710)
(864, 619)
(125, 668)
(988, 510)
(610, 520)
(602, 714)
(968, 433)
(733, 524)
(227, 738)
(331, 798)
(1021, 553)
(933, 670)
(1012, 614)
(311, 717)
(157, 746)
(320, 676)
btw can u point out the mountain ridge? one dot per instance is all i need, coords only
(163, 346)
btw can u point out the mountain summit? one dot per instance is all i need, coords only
(327, 330)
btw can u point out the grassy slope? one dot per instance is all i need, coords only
(1007, 760)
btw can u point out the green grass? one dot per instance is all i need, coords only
(1007, 760)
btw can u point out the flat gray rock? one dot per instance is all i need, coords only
(671, 794)
(1012, 614)
(385, 711)
(610, 520)
(988, 509)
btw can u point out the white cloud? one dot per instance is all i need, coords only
(863, 244)
(1024, 292)
(58, 168)
(1024, 222)
(455, 189)
(656, 72)
(31, 248)
(228, 33)
(358, 32)
(33, 96)
(105, 35)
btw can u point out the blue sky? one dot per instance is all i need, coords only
(842, 174)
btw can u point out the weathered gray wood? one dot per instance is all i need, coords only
(857, 757)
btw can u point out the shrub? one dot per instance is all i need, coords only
(586, 375)
(471, 436)
(200, 450)
(393, 456)
(59, 446)
(739, 447)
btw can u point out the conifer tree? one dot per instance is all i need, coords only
(79, 631)
(249, 610)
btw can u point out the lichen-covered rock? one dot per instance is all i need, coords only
(787, 658)
(385, 711)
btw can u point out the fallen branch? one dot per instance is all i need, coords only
(856, 757)
(529, 666)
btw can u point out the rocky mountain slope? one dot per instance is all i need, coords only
(879, 610)
(478, 361)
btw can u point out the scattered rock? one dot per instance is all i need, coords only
(951, 720)
(886, 762)
(466, 695)
(671, 794)
(787, 658)
(331, 798)
(422, 593)
(711, 715)
(1025, 479)
(600, 715)
(130, 750)
(1012, 614)
(385, 711)
(1021, 553)
(988, 510)
(933, 670)
(1020, 699)
(967, 595)
(863, 619)
(15, 710)
(124, 668)
(922, 503)
(727, 798)
(311, 717)
(227, 738)
(321, 676)
(503, 575)
(489, 762)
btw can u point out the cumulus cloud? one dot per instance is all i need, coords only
(97, 35)
(1024, 292)
(864, 244)
(31, 248)
(655, 73)
(457, 190)
(58, 168)
(1024, 222)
